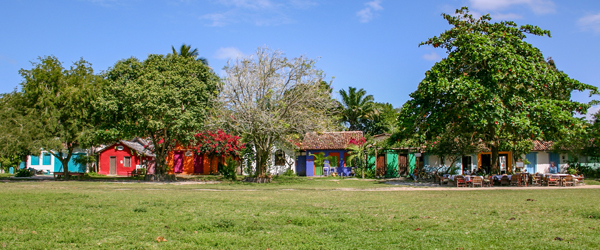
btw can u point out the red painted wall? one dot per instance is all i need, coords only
(120, 154)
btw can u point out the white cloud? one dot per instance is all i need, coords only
(507, 16)
(366, 15)
(248, 4)
(590, 22)
(228, 53)
(537, 6)
(217, 19)
(591, 112)
(257, 12)
(433, 56)
(8, 60)
(303, 4)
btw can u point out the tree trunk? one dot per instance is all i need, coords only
(364, 165)
(495, 157)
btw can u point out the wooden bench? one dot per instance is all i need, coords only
(58, 175)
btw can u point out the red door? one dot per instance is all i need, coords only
(381, 165)
(402, 164)
(199, 164)
(178, 162)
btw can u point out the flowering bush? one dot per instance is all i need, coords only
(357, 142)
(217, 143)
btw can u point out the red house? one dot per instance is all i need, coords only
(123, 157)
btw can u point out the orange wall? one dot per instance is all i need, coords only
(188, 162)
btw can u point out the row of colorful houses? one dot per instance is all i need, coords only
(124, 156)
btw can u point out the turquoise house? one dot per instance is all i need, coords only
(73, 167)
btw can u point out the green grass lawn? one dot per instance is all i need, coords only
(292, 214)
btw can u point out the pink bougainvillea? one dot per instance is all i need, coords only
(217, 143)
(358, 142)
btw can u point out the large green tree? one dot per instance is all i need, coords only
(492, 85)
(357, 107)
(56, 107)
(16, 128)
(164, 98)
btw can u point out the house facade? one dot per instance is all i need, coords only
(540, 159)
(47, 163)
(324, 153)
(184, 161)
(123, 157)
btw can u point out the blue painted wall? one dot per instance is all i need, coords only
(532, 166)
(310, 164)
(73, 167)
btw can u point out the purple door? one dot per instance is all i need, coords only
(178, 162)
(198, 164)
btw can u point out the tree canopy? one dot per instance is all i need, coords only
(492, 85)
(164, 98)
(54, 108)
(268, 99)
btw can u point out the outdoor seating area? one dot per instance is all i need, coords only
(518, 179)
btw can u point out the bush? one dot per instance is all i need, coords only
(228, 170)
(369, 173)
(23, 173)
(289, 172)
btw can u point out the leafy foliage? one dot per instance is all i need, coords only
(164, 98)
(23, 173)
(218, 143)
(357, 107)
(56, 107)
(493, 86)
(187, 51)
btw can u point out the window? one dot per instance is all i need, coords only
(279, 158)
(127, 162)
(46, 160)
(334, 160)
(35, 160)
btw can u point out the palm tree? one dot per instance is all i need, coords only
(358, 106)
(186, 51)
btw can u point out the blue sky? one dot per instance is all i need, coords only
(370, 44)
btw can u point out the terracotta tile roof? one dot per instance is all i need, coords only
(329, 140)
(542, 145)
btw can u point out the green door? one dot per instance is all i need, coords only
(318, 169)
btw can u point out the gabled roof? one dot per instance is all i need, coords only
(329, 140)
(136, 145)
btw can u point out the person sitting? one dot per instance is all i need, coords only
(467, 172)
(553, 168)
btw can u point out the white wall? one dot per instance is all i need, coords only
(435, 162)
(290, 158)
(41, 166)
(543, 162)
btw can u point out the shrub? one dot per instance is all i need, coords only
(370, 173)
(23, 173)
(289, 172)
(229, 168)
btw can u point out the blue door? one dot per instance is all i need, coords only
(554, 157)
(532, 166)
(301, 166)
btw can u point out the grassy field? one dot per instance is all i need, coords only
(292, 214)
